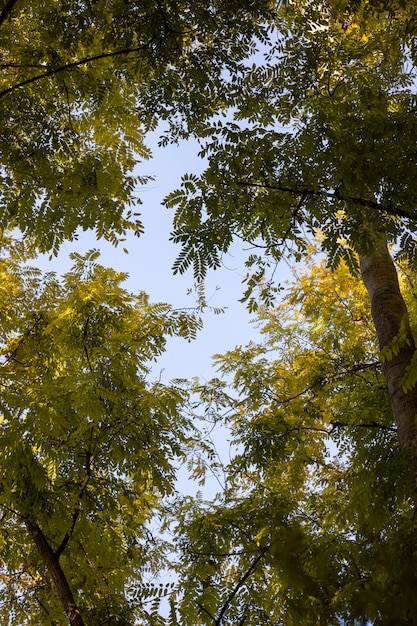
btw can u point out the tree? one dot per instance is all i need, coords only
(322, 142)
(81, 84)
(321, 145)
(314, 524)
(89, 447)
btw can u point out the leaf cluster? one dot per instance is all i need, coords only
(81, 84)
(315, 509)
(321, 143)
(89, 447)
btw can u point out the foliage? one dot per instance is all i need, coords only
(314, 524)
(315, 508)
(81, 84)
(322, 142)
(88, 446)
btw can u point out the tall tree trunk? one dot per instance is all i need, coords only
(390, 316)
(51, 561)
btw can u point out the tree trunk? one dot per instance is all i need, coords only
(390, 316)
(55, 570)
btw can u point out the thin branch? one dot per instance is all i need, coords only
(296, 192)
(6, 10)
(96, 576)
(69, 66)
(222, 554)
(370, 204)
(251, 243)
(335, 425)
(69, 109)
(76, 513)
(324, 379)
(296, 214)
(247, 535)
(202, 608)
(164, 17)
(240, 584)
(85, 330)
(41, 604)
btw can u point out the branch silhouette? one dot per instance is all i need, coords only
(6, 10)
(69, 66)
(218, 620)
(336, 194)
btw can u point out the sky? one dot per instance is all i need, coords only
(149, 265)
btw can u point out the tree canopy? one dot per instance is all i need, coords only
(322, 140)
(82, 82)
(321, 146)
(315, 523)
(305, 112)
(88, 446)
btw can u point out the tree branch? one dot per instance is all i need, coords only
(392, 324)
(304, 193)
(69, 66)
(202, 608)
(239, 584)
(321, 381)
(96, 576)
(76, 513)
(372, 424)
(6, 10)
(221, 555)
(57, 574)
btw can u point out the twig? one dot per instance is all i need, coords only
(372, 204)
(202, 608)
(69, 66)
(239, 584)
(6, 10)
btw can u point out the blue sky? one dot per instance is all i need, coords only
(149, 265)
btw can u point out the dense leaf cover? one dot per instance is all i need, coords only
(314, 140)
(88, 447)
(322, 146)
(323, 139)
(314, 523)
(81, 83)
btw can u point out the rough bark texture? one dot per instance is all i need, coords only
(60, 581)
(390, 316)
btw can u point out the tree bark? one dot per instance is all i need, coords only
(390, 316)
(55, 570)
